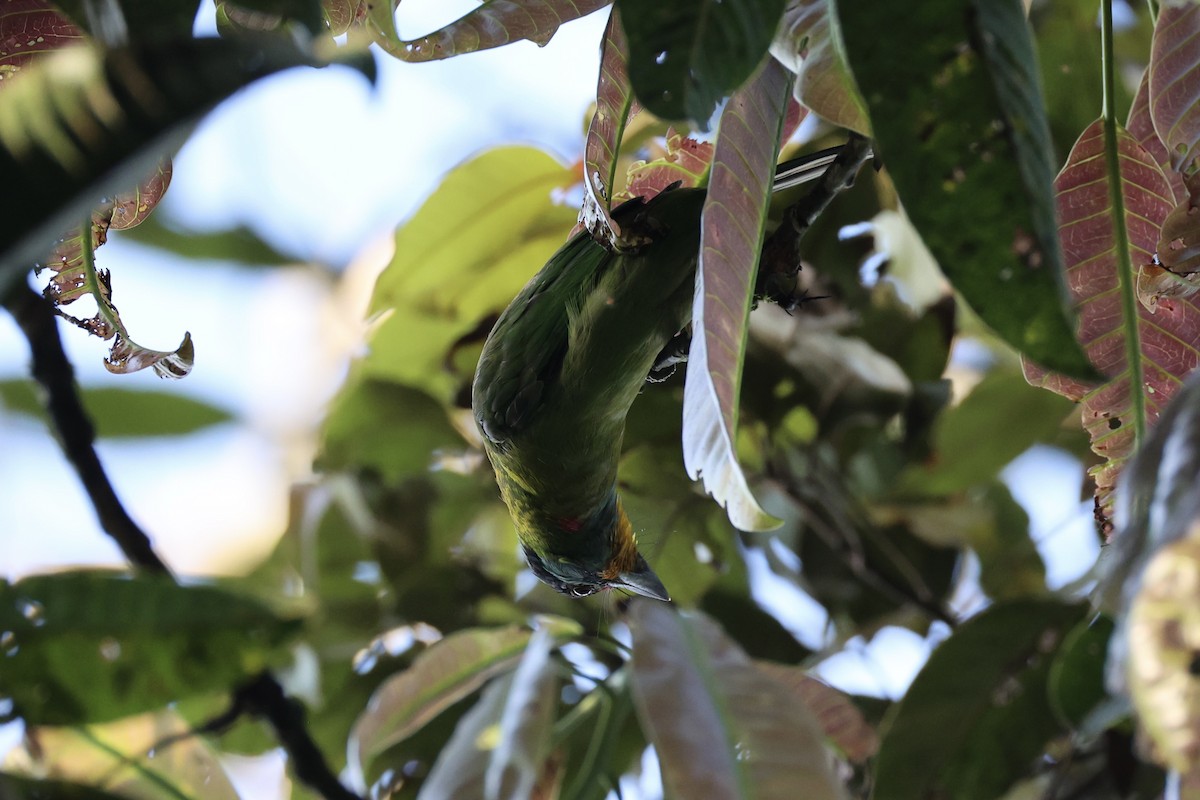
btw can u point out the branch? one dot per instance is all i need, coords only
(70, 422)
(263, 696)
(781, 252)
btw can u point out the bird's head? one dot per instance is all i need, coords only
(615, 565)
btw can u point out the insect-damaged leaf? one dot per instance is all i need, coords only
(720, 726)
(731, 233)
(493, 24)
(956, 107)
(1169, 336)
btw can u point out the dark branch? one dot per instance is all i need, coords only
(263, 696)
(781, 252)
(70, 422)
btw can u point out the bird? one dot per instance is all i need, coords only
(561, 368)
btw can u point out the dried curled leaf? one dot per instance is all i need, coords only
(128, 356)
(1177, 262)
(1164, 647)
(686, 162)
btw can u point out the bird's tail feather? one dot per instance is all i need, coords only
(804, 169)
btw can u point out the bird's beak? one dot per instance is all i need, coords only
(642, 580)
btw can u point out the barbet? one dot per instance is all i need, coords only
(559, 372)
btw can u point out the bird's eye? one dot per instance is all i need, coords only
(581, 591)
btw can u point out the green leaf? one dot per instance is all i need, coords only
(685, 56)
(976, 717)
(15, 787)
(90, 646)
(82, 123)
(731, 232)
(500, 747)
(959, 121)
(387, 427)
(1002, 402)
(494, 24)
(240, 244)
(1077, 673)
(720, 726)
(467, 251)
(124, 413)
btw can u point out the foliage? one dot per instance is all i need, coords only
(396, 604)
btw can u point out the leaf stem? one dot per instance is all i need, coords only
(1129, 303)
(92, 280)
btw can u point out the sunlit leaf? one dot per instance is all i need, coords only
(721, 727)
(82, 122)
(126, 757)
(615, 106)
(493, 24)
(836, 713)
(954, 99)
(807, 44)
(686, 55)
(343, 14)
(501, 746)
(1169, 335)
(125, 413)
(1173, 72)
(88, 647)
(731, 234)
(976, 716)
(441, 676)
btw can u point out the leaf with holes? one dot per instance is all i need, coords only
(493, 24)
(731, 233)
(685, 56)
(1169, 336)
(954, 94)
(807, 43)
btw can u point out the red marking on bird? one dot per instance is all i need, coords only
(569, 524)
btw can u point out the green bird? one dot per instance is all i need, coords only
(559, 372)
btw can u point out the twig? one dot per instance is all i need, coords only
(781, 252)
(70, 421)
(262, 696)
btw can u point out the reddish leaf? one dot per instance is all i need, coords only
(731, 238)
(1169, 336)
(806, 44)
(495, 23)
(686, 162)
(1141, 127)
(30, 27)
(1175, 82)
(615, 106)
(837, 715)
(131, 208)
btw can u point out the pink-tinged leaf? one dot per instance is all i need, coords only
(836, 713)
(28, 28)
(731, 233)
(1141, 127)
(686, 162)
(1175, 82)
(494, 24)
(343, 14)
(615, 106)
(807, 44)
(131, 208)
(721, 727)
(1169, 336)
(441, 676)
